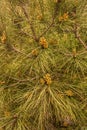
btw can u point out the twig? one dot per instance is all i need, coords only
(47, 29)
(66, 54)
(30, 23)
(16, 50)
(14, 123)
(10, 47)
(77, 35)
(25, 34)
(53, 19)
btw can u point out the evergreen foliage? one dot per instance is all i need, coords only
(43, 64)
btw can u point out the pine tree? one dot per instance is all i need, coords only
(43, 64)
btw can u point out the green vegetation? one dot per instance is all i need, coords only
(43, 64)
